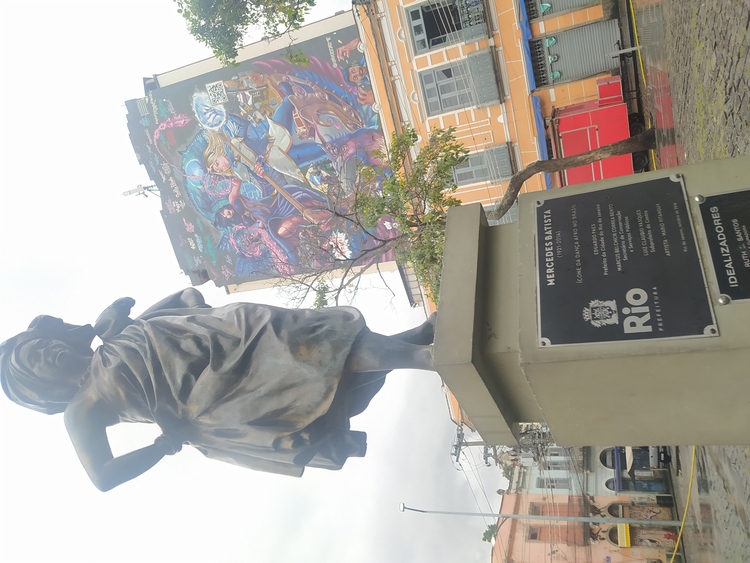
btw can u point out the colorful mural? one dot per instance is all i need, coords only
(257, 165)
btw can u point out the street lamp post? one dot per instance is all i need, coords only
(592, 519)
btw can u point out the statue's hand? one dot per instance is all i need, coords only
(168, 444)
(114, 318)
(174, 433)
(124, 304)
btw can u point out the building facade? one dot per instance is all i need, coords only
(495, 70)
(586, 482)
(251, 160)
(499, 72)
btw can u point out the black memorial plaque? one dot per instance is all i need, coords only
(620, 264)
(726, 220)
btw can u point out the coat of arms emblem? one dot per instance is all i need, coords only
(601, 313)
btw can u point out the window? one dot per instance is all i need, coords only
(471, 81)
(574, 53)
(555, 464)
(447, 88)
(641, 485)
(551, 533)
(553, 483)
(539, 62)
(473, 169)
(493, 164)
(435, 24)
(607, 457)
(532, 9)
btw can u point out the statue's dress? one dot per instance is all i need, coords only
(254, 385)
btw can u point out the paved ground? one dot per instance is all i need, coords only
(709, 45)
(697, 65)
(717, 528)
(697, 62)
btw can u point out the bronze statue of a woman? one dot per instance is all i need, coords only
(258, 386)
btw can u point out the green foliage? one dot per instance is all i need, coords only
(297, 57)
(507, 471)
(221, 24)
(321, 295)
(417, 196)
(489, 533)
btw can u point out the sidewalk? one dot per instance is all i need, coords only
(717, 528)
(697, 68)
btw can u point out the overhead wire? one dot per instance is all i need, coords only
(471, 489)
(478, 477)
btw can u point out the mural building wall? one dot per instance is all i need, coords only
(250, 161)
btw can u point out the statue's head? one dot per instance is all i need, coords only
(43, 367)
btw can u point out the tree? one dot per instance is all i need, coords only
(417, 196)
(222, 24)
(642, 141)
(489, 533)
(413, 198)
(410, 195)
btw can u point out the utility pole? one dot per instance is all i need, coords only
(460, 443)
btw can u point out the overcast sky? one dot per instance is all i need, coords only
(72, 244)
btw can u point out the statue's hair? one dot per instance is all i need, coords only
(25, 386)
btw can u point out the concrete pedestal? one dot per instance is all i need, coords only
(623, 354)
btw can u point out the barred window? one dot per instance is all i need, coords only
(436, 24)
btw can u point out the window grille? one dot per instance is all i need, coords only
(436, 24)
(532, 9)
(538, 8)
(539, 62)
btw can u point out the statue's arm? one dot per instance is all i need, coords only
(86, 420)
(187, 298)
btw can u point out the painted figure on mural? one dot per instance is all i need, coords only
(356, 73)
(254, 163)
(281, 144)
(259, 137)
(329, 108)
(267, 216)
(261, 387)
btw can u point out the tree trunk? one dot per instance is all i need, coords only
(641, 142)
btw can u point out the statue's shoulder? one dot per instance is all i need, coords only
(87, 408)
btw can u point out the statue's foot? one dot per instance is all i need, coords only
(428, 329)
(432, 320)
(422, 334)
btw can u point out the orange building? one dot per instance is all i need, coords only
(561, 483)
(493, 69)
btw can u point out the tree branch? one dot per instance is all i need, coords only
(640, 142)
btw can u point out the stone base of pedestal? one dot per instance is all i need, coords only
(643, 336)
